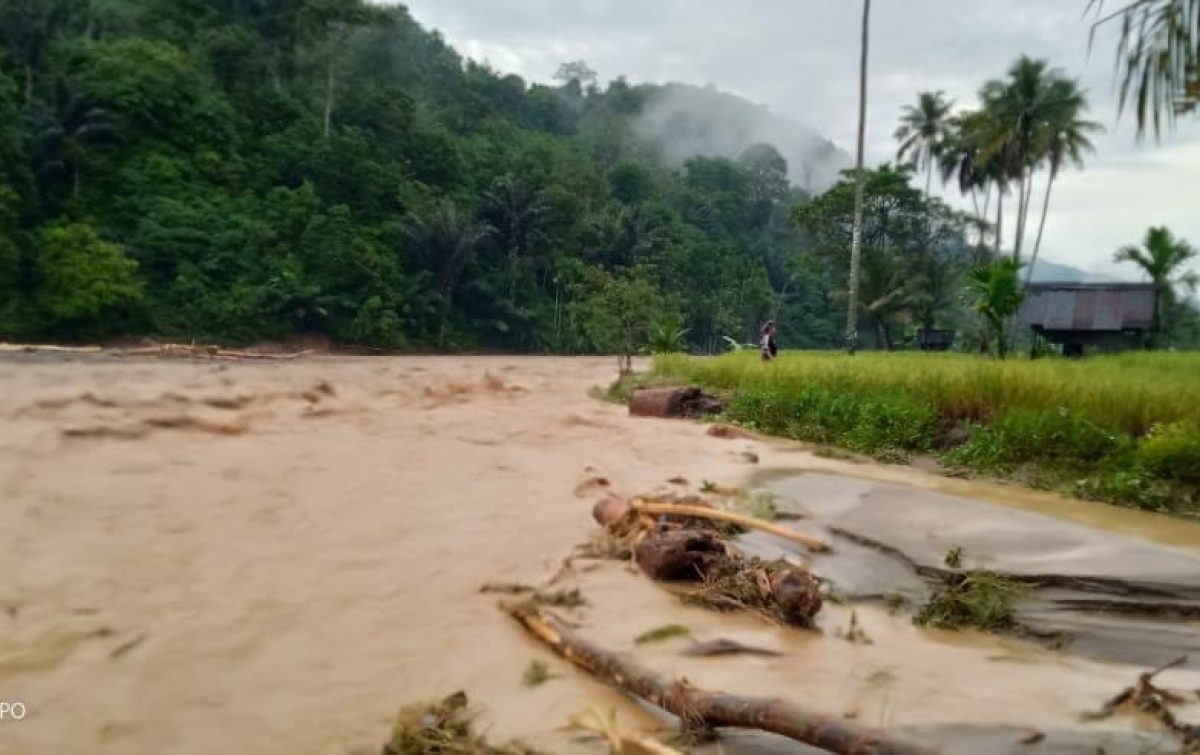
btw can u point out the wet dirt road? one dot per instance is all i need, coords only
(275, 557)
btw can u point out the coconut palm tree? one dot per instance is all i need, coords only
(1163, 259)
(964, 159)
(1067, 142)
(923, 131)
(1019, 107)
(1158, 57)
(860, 185)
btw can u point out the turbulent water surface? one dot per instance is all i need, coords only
(274, 557)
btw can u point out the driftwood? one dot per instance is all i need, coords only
(605, 725)
(185, 350)
(677, 509)
(1146, 697)
(673, 403)
(701, 710)
(8, 348)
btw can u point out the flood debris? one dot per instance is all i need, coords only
(682, 555)
(1148, 698)
(979, 599)
(777, 590)
(673, 403)
(704, 711)
(854, 633)
(536, 674)
(683, 545)
(612, 510)
(446, 727)
(619, 740)
(659, 634)
(722, 647)
(730, 432)
(562, 598)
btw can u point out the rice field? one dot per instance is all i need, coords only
(1123, 428)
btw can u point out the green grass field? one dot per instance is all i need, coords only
(1124, 428)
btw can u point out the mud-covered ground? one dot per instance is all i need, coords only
(273, 557)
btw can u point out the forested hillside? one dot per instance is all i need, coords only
(241, 170)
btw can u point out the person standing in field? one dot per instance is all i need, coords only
(769, 349)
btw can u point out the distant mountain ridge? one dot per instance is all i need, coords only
(1045, 271)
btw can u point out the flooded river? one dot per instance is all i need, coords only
(274, 557)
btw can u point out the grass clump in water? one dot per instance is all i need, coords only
(536, 674)
(665, 632)
(976, 599)
(443, 728)
(954, 557)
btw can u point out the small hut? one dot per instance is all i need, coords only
(1105, 316)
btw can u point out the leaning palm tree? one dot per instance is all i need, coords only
(446, 240)
(859, 188)
(923, 131)
(1158, 57)
(1067, 141)
(1163, 259)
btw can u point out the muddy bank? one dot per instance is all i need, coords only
(280, 556)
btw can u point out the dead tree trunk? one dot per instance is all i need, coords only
(700, 709)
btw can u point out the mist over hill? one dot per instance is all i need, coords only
(686, 121)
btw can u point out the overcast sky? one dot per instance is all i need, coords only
(800, 58)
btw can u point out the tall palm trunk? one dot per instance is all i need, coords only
(1020, 218)
(928, 176)
(330, 82)
(999, 219)
(860, 181)
(1037, 243)
(89, 34)
(28, 83)
(1026, 199)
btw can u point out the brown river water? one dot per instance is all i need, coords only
(204, 557)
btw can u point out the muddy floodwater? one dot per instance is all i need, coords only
(274, 557)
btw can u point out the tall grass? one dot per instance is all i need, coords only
(1124, 428)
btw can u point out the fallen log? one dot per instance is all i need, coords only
(702, 710)
(673, 403)
(678, 509)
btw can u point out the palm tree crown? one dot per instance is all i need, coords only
(1164, 260)
(1158, 57)
(923, 131)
